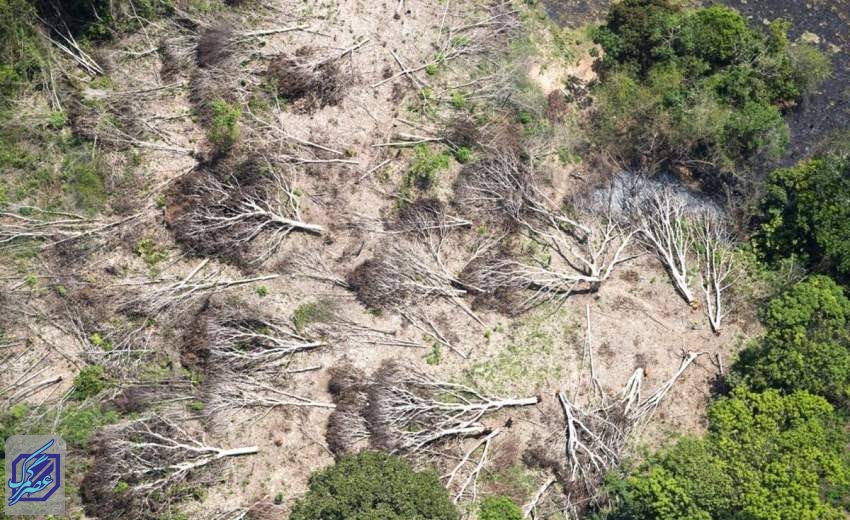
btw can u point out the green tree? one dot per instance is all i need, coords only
(766, 456)
(806, 345)
(698, 87)
(374, 486)
(806, 215)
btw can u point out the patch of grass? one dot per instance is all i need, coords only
(44, 165)
(435, 356)
(97, 340)
(516, 480)
(528, 355)
(312, 312)
(75, 423)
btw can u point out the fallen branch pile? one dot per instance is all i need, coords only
(401, 410)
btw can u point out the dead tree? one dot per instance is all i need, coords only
(229, 392)
(596, 435)
(408, 412)
(714, 247)
(469, 486)
(408, 273)
(310, 83)
(173, 297)
(254, 344)
(247, 360)
(53, 228)
(226, 214)
(664, 228)
(497, 188)
(582, 250)
(142, 467)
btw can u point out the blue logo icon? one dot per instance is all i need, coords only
(35, 476)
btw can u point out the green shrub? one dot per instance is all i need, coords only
(459, 100)
(23, 49)
(811, 66)
(89, 382)
(463, 154)
(78, 423)
(223, 130)
(374, 486)
(499, 508)
(82, 178)
(74, 422)
(765, 456)
(10, 422)
(425, 168)
(151, 253)
(806, 345)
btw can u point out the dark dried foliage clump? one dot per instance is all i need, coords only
(214, 46)
(205, 87)
(309, 84)
(347, 425)
(190, 192)
(361, 279)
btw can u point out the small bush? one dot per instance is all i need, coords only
(374, 485)
(89, 382)
(151, 254)
(463, 154)
(499, 508)
(425, 168)
(223, 130)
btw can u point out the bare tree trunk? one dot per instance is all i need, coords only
(715, 246)
(665, 229)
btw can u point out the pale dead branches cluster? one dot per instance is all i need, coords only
(418, 268)
(172, 298)
(580, 251)
(402, 410)
(144, 465)
(596, 433)
(246, 214)
(54, 228)
(687, 240)
(248, 359)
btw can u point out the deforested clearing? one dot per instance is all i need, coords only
(539, 258)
